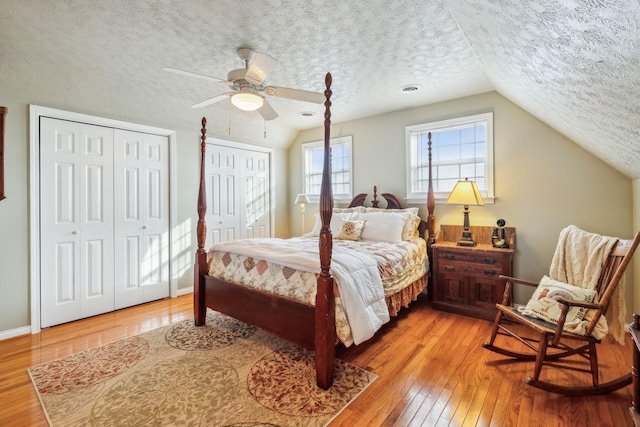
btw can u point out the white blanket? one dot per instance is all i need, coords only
(356, 274)
(578, 259)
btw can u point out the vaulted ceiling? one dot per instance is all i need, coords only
(574, 64)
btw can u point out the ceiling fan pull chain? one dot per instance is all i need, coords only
(229, 110)
(265, 129)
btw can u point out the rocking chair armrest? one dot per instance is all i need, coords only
(576, 303)
(566, 305)
(506, 296)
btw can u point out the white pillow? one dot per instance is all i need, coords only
(544, 304)
(383, 226)
(412, 210)
(350, 230)
(349, 210)
(411, 224)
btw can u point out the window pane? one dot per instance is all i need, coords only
(460, 149)
(340, 167)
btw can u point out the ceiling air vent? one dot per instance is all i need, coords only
(410, 88)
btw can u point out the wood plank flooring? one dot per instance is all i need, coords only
(432, 371)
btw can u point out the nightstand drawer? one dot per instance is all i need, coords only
(471, 257)
(478, 270)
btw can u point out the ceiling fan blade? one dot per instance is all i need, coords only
(213, 100)
(267, 112)
(260, 67)
(300, 95)
(196, 75)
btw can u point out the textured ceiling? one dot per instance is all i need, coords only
(573, 64)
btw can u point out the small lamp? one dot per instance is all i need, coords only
(301, 199)
(465, 193)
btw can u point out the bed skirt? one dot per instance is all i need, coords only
(403, 298)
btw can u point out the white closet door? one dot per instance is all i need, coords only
(257, 195)
(76, 220)
(223, 194)
(141, 204)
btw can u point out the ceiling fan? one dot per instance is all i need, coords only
(247, 85)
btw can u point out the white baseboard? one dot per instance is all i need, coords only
(15, 332)
(185, 291)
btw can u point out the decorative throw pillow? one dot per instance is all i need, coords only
(334, 225)
(350, 230)
(544, 304)
(410, 229)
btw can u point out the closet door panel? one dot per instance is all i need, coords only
(223, 204)
(142, 218)
(76, 221)
(96, 216)
(156, 243)
(257, 195)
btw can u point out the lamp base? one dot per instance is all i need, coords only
(466, 239)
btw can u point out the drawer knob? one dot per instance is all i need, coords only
(489, 260)
(490, 273)
(449, 268)
(449, 256)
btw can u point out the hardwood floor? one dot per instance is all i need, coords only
(432, 371)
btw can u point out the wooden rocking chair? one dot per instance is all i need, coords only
(550, 344)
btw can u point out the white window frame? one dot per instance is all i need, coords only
(337, 197)
(487, 190)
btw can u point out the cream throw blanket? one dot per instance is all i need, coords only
(578, 260)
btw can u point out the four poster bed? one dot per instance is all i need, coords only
(238, 278)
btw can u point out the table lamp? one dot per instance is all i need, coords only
(465, 193)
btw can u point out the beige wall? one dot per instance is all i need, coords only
(636, 261)
(15, 314)
(14, 221)
(543, 181)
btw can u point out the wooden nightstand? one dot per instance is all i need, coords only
(466, 278)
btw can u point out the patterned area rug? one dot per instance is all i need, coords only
(223, 374)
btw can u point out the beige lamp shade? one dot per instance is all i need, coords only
(465, 193)
(302, 198)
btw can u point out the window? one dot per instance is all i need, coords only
(312, 161)
(461, 148)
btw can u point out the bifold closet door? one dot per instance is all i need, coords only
(76, 220)
(141, 204)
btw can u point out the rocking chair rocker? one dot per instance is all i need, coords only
(551, 344)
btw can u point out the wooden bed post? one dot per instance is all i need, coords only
(431, 223)
(431, 204)
(325, 324)
(199, 307)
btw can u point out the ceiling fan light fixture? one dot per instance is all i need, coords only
(246, 100)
